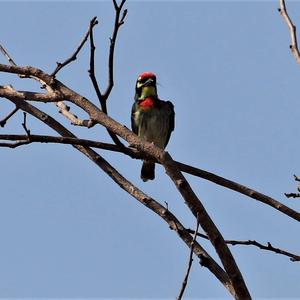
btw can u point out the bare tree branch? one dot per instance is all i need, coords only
(8, 90)
(240, 189)
(294, 195)
(4, 120)
(52, 96)
(95, 82)
(65, 111)
(292, 29)
(214, 235)
(190, 262)
(172, 221)
(5, 53)
(24, 124)
(83, 103)
(118, 23)
(268, 247)
(74, 55)
(194, 204)
(296, 178)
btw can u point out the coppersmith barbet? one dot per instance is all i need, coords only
(152, 119)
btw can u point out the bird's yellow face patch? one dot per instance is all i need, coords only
(148, 91)
(139, 83)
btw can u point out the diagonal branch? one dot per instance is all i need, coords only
(4, 120)
(8, 57)
(186, 277)
(240, 189)
(214, 235)
(292, 29)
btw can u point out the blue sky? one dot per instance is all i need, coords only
(68, 231)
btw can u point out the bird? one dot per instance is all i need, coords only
(152, 119)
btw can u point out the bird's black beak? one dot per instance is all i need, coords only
(149, 82)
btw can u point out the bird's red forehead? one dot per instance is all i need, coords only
(147, 75)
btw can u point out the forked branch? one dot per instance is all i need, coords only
(74, 55)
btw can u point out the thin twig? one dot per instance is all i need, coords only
(8, 57)
(25, 125)
(292, 29)
(190, 262)
(65, 111)
(74, 55)
(294, 195)
(92, 75)
(296, 178)
(4, 120)
(118, 23)
(91, 71)
(52, 96)
(268, 247)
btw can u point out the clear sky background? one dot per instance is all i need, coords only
(67, 230)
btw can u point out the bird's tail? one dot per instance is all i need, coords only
(147, 172)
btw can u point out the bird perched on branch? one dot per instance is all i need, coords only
(151, 118)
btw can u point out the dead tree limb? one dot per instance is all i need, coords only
(268, 247)
(292, 29)
(190, 262)
(4, 120)
(73, 57)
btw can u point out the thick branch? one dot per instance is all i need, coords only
(208, 226)
(292, 29)
(9, 91)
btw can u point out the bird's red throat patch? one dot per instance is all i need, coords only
(148, 102)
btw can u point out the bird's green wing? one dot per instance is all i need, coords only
(133, 124)
(170, 106)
